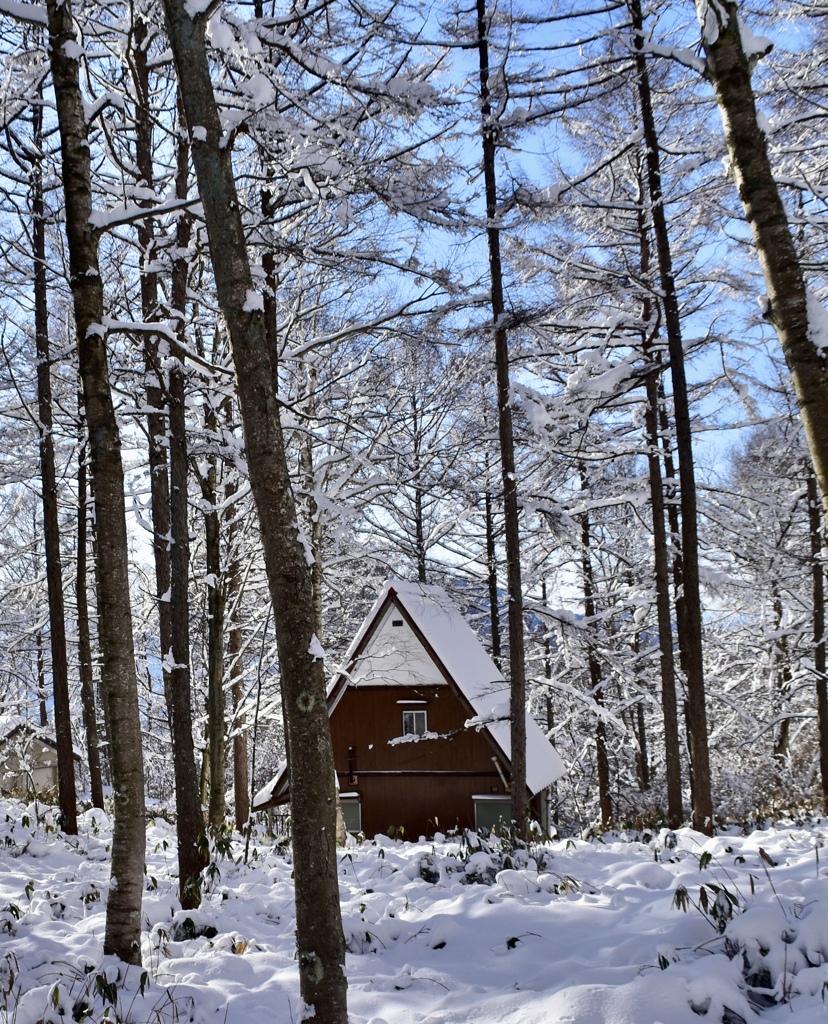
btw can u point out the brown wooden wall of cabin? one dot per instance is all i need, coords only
(367, 717)
(423, 786)
(419, 804)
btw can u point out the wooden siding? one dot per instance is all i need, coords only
(419, 804)
(422, 786)
(368, 717)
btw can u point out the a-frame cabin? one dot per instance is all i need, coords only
(419, 722)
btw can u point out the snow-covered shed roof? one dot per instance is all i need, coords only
(12, 724)
(440, 646)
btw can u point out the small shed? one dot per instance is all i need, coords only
(420, 725)
(28, 757)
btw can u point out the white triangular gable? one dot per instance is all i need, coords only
(394, 655)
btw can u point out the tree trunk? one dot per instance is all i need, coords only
(661, 569)
(643, 754)
(190, 822)
(54, 573)
(241, 789)
(92, 522)
(192, 852)
(41, 680)
(321, 952)
(691, 641)
(511, 511)
(314, 516)
(818, 580)
(491, 578)
(596, 681)
(216, 724)
(669, 706)
(491, 563)
(168, 492)
(123, 912)
(550, 710)
(728, 68)
(87, 681)
(781, 683)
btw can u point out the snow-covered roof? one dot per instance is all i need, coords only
(12, 723)
(460, 653)
(266, 793)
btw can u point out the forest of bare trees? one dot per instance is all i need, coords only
(525, 301)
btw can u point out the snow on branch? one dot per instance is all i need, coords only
(498, 713)
(127, 213)
(415, 737)
(714, 17)
(681, 54)
(30, 14)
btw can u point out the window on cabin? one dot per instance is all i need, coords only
(492, 812)
(414, 723)
(351, 812)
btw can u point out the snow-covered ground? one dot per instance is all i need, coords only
(585, 932)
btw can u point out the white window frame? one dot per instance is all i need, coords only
(411, 720)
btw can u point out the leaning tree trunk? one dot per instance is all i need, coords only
(691, 640)
(67, 797)
(511, 511)
(321, 951)
(123, 911)
(728, 68)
